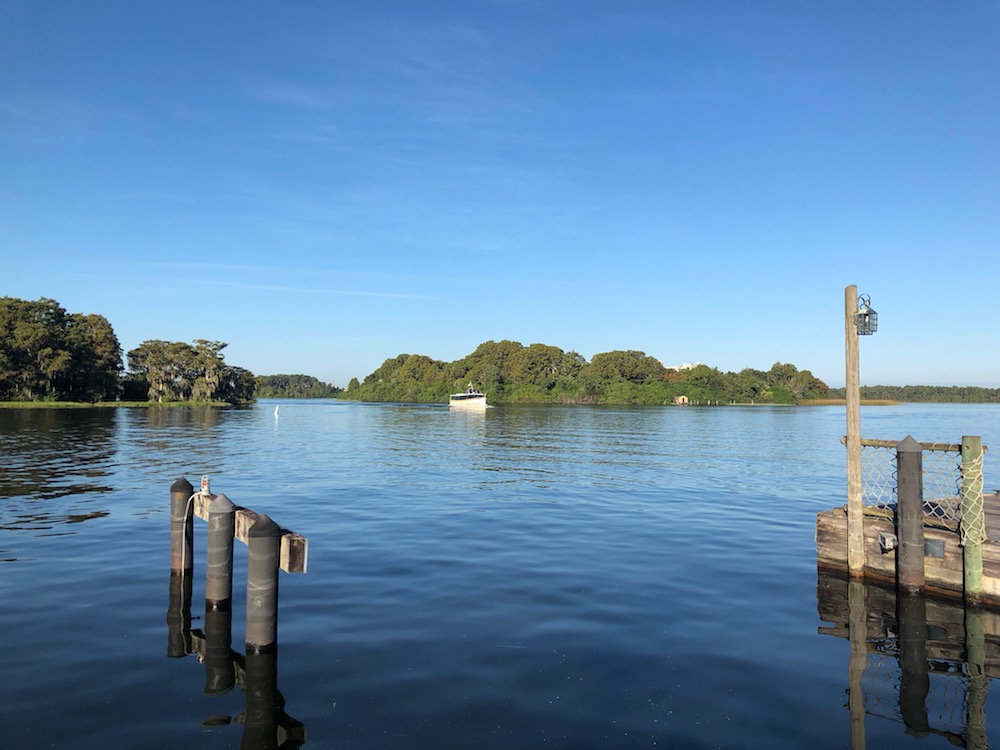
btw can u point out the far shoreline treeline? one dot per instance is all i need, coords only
(510, 373)
(48, 355)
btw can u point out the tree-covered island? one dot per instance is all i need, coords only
(50, 355)
(509, 372)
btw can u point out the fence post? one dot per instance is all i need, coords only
(973, 524)
(263, 541)
(181, 528)
(910, 515)
(219, 554)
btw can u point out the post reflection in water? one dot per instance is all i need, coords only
(266, 726)
(923, 662)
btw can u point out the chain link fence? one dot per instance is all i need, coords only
(953, 492)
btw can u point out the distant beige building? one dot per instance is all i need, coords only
(680, 401)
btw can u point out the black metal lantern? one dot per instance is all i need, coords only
(865, 319)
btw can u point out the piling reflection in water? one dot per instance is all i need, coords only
(923, 662)
(266, 726)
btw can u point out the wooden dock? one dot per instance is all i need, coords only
(943, 559)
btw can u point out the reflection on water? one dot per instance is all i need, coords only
(924, 663)
(61, 465)
(265, 723)
(599, 577)
(52, 454)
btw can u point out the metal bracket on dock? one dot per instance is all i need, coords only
(886, 542)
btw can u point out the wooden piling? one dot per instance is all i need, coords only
(181, 528)
(910, 515)
(855, 507)
(219, 554)
(973, 518)
(263, 541)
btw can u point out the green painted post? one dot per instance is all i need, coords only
(973, 520)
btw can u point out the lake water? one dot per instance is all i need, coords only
(550, 577)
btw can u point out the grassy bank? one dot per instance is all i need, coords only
(104, 404)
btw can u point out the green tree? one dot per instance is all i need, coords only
(294, 386)
(175, 371)
(46, 353)
(631, 365)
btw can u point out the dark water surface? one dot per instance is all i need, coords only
(557, 577)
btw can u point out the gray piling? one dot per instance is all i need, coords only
(263, 541)
(219, 554)
(910, 515)
(181, 528)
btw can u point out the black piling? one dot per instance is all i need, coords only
(910, 515)
(263, 541)
(181, 528)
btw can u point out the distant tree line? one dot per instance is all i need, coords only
(926, 393)
(294, 386)
(509, 372)
(49, 354)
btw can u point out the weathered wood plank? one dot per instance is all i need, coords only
(294, 550)
(944, 575)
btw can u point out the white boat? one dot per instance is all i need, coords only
(471, 399)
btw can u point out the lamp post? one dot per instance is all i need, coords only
(859, 320)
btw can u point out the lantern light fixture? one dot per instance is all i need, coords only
(865, 319)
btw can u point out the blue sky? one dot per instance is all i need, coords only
(324, 185)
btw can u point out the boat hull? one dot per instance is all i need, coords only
(477, 403)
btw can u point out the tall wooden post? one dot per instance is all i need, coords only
(855, 508)
(973, 520)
